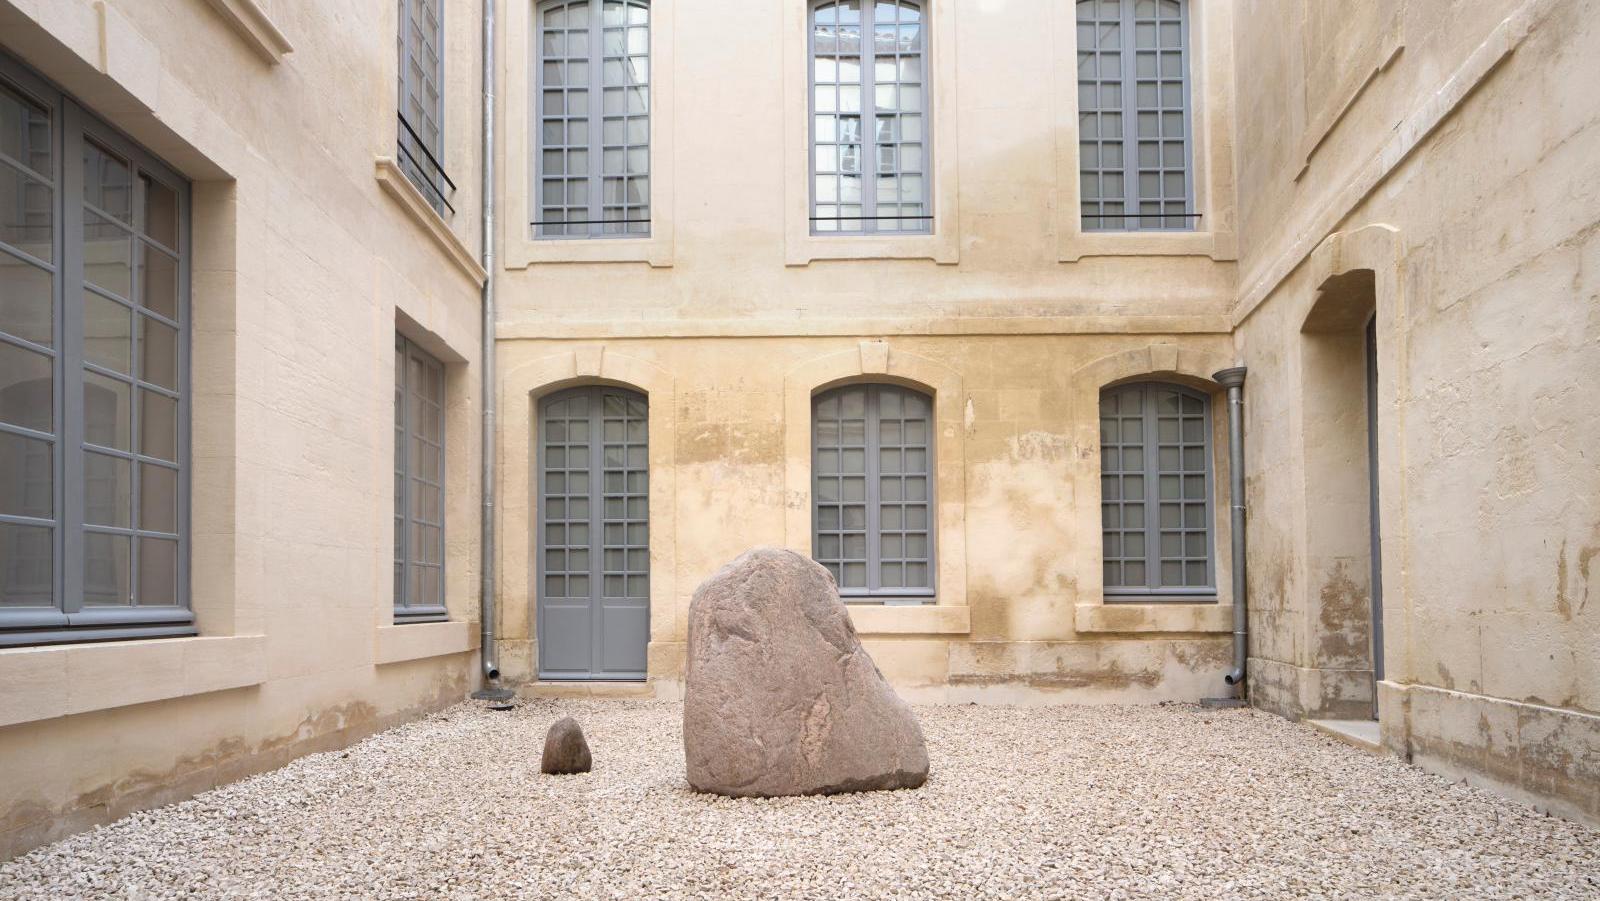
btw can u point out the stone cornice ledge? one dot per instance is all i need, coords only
(1171, 618)
(395, 183)
(43, 683)
(910, 619)
(254, 25)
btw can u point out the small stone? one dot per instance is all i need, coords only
(779, 696)
(565, 751)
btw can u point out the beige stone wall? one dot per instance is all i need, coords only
(1438, 171)
(307, 259)
(1019, 613)
(1446, 149)
(731, 316)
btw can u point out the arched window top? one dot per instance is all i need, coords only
(872, 497)
(592, 90)
(1156, 490)
(870, 169)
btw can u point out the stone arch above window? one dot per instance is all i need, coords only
(1188, 366)
(877, 363)
(523, 385)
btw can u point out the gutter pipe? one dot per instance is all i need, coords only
(486, 526)
(1233, 380)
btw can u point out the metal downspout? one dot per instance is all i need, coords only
(1233, 380)
(486, 526)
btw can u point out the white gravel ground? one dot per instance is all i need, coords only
(1104, 802)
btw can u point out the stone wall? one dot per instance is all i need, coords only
(308, 255)
(1452, 197)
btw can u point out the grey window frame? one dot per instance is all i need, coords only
(869, 222)
(408, 609)
(66, 618)
(1092, 149)
(594, 223)
(874, 591)
(1151, 471)
(419, 151)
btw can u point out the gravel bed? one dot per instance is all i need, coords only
(1056, 802)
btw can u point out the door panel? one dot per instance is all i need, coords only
(1372, 474)
(594, 559)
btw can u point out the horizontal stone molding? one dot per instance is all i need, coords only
(1018, 321)
(1171, 618)
(910, 619)
(395, 183)
(41, 683)
(255, 27)
(418, 641)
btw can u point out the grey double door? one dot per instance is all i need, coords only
(593, 535)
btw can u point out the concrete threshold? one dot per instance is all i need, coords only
(595, 689)
(1361, 734)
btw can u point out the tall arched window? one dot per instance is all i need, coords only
(869, 128)
(1155, 491)
(872, 497)
(592, 165)
(1135, 149)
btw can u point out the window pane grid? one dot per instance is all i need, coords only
(1155, 485)
(593, 165)
(93, 401)
(421, 95)
(869, 160)
(419, 438)
(567, 492)
(872, 483)
(625, 514)
(1133, 115)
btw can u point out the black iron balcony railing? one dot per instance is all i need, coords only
(426, 173)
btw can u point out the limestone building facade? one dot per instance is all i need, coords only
(947, 294)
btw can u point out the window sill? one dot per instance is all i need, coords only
(417, 641)
(1185, 617)
(807, 249)
(395, 183)
(1078, 245)
(655, 250)
(910, 619)
(61, 680)
(256, 28)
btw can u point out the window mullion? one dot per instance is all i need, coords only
(597, 521)
(404, 500)
(869, 119)
(873, 495)
(1152, 488)
(1188, 133)
(70, 428)
(135, 413)
(597, 119)
(1130, 123)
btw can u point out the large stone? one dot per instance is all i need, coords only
(565, 751)
(779, 696)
